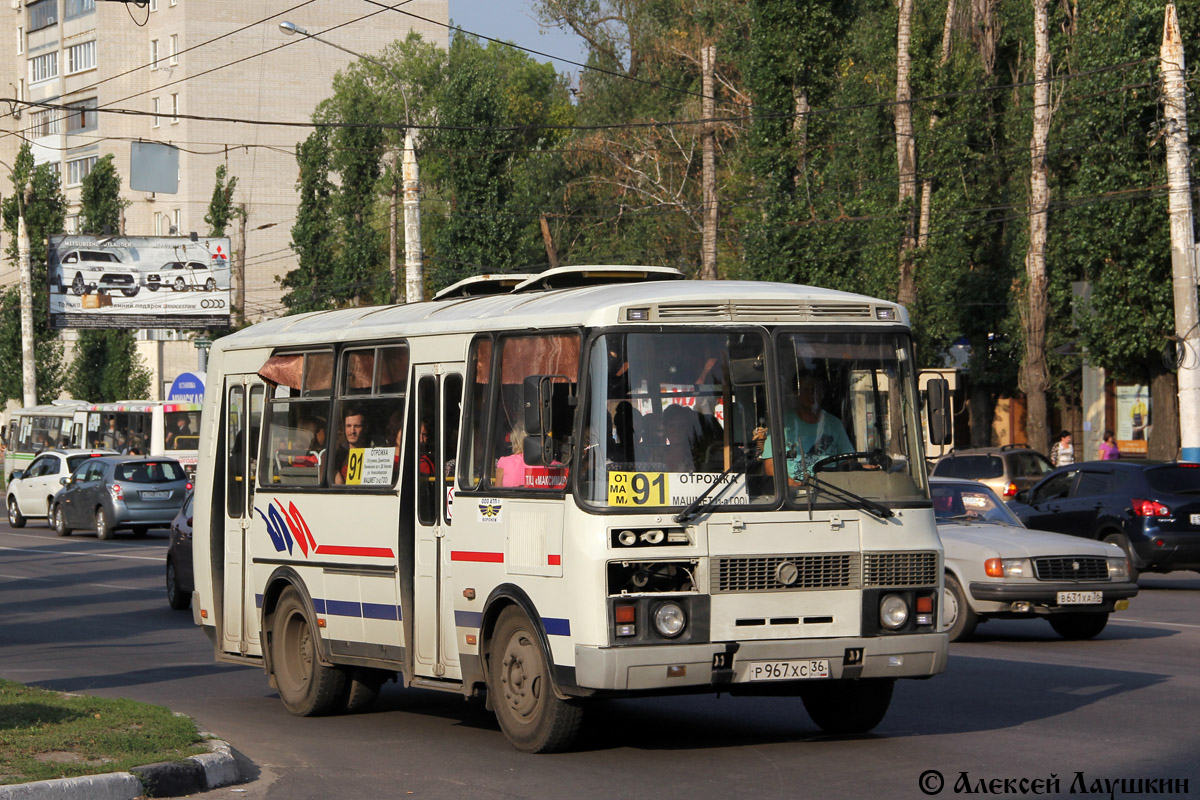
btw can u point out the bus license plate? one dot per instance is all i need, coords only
(787, 670)
(1080, 598)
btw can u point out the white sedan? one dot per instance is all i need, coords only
(998, 568)
(31, 490)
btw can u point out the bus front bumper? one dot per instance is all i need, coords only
(666, 667)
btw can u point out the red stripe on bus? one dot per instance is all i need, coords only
(467, 555)
(368, 552)
(554, 561)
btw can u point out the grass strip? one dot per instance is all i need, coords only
(45, 734)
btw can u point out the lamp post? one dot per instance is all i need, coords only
(414, 271)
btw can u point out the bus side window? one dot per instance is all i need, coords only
(452, 391)
(475, 455)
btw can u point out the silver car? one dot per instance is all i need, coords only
(114, 492)
(998, 568)
(31, 490)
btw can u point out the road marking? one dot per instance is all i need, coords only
(77, 583)
(73, 553)
(1119, 620)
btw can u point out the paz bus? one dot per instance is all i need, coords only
(152, 427)
(37, 428)
(593, 482)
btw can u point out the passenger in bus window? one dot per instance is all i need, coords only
(680, 426)
(395, 438)
(810, 432)
(181, 429)
(354, 434)
(510, 469)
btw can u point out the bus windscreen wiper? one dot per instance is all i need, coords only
(698, 506)
(844, 495)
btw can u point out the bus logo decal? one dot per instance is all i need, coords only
(489, 510)
(287, 527)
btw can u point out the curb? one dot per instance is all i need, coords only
(167, 779)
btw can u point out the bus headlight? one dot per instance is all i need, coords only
(669, 620)
(893, 612)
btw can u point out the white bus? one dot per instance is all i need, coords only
(152, 427)
(566, 490)
(37, 428)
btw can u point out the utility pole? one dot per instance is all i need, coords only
(708, 178)
(393, 234)
(414, 270)
(28, 370)
(1179, 209)
(239, 297)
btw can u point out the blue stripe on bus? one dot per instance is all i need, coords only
(380, 611)
(468, 619)
(318, 605)
(344, 608)
(473, 619)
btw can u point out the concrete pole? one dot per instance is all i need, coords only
(414, 270)
(393, 234)
(28, 370)
(708, 180)
(1179, 209)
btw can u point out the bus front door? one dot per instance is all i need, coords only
(242, 420)
(438, 402)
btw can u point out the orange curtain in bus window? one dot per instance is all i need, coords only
(285, 370)
(540, 355)
(318, 374)
(393, 370)
(360, 371)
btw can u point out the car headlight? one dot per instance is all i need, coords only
(1118, 568)
(1008, 568)
(669, 620)
(893, 611)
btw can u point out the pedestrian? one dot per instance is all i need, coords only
(1108, 448)
(1063, 453)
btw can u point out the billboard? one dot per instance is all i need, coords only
(139, 282)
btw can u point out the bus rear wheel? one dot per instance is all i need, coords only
(846, 707)
(306, 686)
(531, 715)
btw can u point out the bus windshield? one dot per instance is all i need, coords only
(668, 414)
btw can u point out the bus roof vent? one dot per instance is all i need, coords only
(693, 311)
(574, 277)
(480, 285)
(770, 312)
(841, 310)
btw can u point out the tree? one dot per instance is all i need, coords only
(221, 209)
(45, 215)
(106, 367)
(313, 235)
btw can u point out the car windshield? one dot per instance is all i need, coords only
(667, 414)
(969, 502)
(150, 472)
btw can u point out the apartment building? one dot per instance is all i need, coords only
(223, 59)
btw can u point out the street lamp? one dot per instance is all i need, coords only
(414, 273)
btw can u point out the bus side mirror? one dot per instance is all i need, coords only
(537, 398)
(937, 404)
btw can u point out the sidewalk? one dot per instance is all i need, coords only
(169, 779)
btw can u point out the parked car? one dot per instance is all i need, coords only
(98, 270)
(998, 568)
(1149, 509)
(181, 276)
(179, 558)
(114, 492)
(30, 491)
(1006, 469)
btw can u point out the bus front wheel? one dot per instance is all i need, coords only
(845, 707)
(531, 715)
(306, 686)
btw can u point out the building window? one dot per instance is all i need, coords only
(174, 49)
(80, 57)
(78, 169)
(20, 39)
(154, 54)
(174, 108)
(176, 228)
(43, 67)
(56, 168)
(154, 5)
(44, 123)
(42, 14)
(81, 116)
(156, 103)
(72, 223)
(77, 8)
(159, 222)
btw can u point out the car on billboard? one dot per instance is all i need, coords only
(181, 276)
(85, 271)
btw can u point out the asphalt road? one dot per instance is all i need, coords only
(1018, 703)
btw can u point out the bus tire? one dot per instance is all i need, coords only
(15, 517)
(531, 715)
(306, 686)
(846, 707)
(362, 688)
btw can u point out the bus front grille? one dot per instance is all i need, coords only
(900, 569)
(784, 573)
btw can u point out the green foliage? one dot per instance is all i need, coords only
(100, 199)
(221, 209)
(313, 235)
(45, 215)
(107, 368)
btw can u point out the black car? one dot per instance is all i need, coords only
(180, 581)
(1150, 509)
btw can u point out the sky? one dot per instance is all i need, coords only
(514, 20)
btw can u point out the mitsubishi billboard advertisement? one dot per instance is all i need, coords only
(139, 282)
